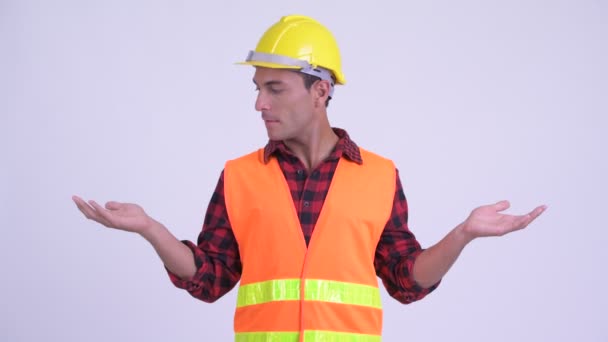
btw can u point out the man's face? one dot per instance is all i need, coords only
(286, 105)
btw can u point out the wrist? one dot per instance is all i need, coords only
(464, 233)
(153, 229)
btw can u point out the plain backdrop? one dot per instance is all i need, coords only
(140, 101)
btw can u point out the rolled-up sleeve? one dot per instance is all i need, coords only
(216, 253)
(396, 254)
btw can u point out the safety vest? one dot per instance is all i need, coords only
(328, 291)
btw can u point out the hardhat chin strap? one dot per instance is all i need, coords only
(304, 66)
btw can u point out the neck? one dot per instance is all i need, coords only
(314, 146)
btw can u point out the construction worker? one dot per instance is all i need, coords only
(308, 222)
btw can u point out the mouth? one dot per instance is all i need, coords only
(271, 123)
(269, 120)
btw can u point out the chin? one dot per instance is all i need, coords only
(275, 136)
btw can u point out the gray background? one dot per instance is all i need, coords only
(139, 101)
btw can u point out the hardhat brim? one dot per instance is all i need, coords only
(339, 78)
(269, 65)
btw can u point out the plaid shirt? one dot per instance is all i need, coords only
(217, 253)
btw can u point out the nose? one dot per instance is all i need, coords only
(261, 102)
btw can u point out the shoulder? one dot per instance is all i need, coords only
(257, 155)
(246, 164)
(370, 156)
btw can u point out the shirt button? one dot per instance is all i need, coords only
(306, 204)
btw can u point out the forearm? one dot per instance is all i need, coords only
(176, 256)
(433, 263)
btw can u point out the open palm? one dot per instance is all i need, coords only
(488, 220)
(124, 216)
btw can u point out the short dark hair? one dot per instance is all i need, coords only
(309, 80)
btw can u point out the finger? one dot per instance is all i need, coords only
(98, 208)
(106, 216)
(501, 205)
(83, 207)
(522, 221)
(89, 212)
(113, 205)
(537, 211)
(79, 201)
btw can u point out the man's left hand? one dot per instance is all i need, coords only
(488, 220)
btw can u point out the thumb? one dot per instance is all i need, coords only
(113, 205)
(502, 205)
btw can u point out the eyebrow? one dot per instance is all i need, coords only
(269, 83)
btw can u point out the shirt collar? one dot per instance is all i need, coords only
(344, 148)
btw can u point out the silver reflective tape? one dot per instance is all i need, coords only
(306, 67)
(277, 59)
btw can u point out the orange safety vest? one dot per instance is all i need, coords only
(328, 291)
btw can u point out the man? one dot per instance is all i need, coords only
(307, 223)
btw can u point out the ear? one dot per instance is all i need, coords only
(321, 91)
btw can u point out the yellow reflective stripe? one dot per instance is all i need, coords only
(268, 291)
(331, 336)
(262, 336)
(343, 293)
(321, 290)
(309, 335)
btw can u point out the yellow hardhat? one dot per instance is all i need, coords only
(299, 42)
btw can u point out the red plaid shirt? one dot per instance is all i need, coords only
(217, 254)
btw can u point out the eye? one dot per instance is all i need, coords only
(275, 91)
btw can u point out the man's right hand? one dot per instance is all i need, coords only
(124, 216)
(176, 256)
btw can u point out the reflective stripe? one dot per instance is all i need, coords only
(254, 56)
(330, 336)
(344, 293)
(272, 336)
(315, 335)
(307, 68)
(268, 291)
(320, 290)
